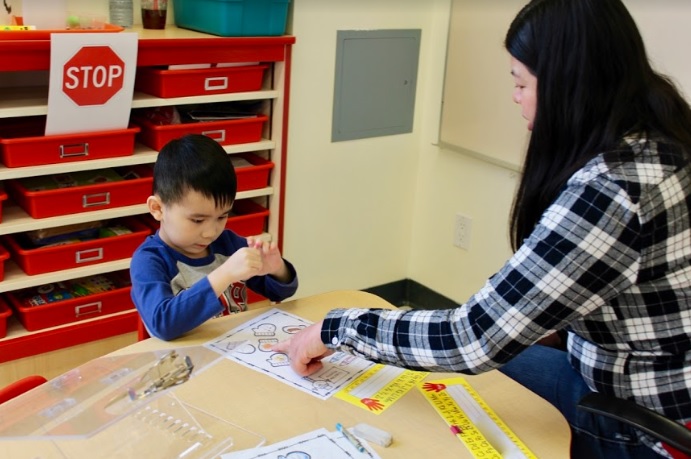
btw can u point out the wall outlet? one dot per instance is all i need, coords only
(461, 231)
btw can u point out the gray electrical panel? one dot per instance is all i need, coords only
(375, 81)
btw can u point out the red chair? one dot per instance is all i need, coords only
(20, 386)
(142, 333)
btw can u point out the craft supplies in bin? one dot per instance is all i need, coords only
(74, 300)
(22, 143)
(247, 218)
(82, 191)
(166, 83)
(118, 239)
(230, 18)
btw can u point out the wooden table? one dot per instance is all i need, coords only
(277, 411)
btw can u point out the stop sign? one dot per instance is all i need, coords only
(93, 75)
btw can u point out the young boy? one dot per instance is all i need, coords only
(193, 268)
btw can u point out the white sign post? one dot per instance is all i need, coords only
(91, 82)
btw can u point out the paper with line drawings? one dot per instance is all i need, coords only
(373, 387)
(312, 445)
(250, 345)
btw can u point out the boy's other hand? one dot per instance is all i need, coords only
(272, 261)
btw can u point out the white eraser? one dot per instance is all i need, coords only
(372, 434)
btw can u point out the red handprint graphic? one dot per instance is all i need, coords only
(433, 387)
(372, 404)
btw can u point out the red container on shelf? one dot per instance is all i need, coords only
(199, 82)
(248, 219)
(225, 132)
(51, 314)
(5, 313)
(77, 254)
(22, 143)
(3, 197)
(85, 198)
(254, 176)
(4, 255)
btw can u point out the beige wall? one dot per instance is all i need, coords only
(350, 205)
(373, 211)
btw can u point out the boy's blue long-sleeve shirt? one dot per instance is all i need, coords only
(173, 294)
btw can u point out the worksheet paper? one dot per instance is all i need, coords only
(313, 445)
(250, 345)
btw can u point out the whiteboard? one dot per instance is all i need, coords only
(478, 116)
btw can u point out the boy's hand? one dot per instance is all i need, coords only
(272, 262)
(243, 264)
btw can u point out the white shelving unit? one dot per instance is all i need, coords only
(169, 46)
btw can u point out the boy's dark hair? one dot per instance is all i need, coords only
(595, 84)
(194, 162)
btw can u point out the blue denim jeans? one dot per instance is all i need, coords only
(547, 372)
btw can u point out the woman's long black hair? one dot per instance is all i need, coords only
(595, 84)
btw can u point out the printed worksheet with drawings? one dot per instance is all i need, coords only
(250, 345)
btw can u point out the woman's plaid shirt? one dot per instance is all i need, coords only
(610, 261)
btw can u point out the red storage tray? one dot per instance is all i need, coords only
(198, 82)
(70, 310)
(5, 313)
(57, 258)
(4, 255)
(225, 132)
(72, 200)
(254, 176)
(23, 144)
(3, 197)
(249, 218)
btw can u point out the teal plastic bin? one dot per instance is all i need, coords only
(233, 18)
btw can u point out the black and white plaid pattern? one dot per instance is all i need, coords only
(609, 260)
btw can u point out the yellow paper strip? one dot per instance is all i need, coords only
(379, 387)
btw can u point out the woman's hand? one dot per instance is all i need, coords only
(305, 350)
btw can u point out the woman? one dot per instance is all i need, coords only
(601, 231)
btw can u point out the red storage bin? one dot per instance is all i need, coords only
(5, 313)
(60, 312)
(254, 176)
(197, 82)
(248, 218)
(56, 258)
(76, 199)
(225, 132)
(23, 144)
(3, 197)
(4, 255)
